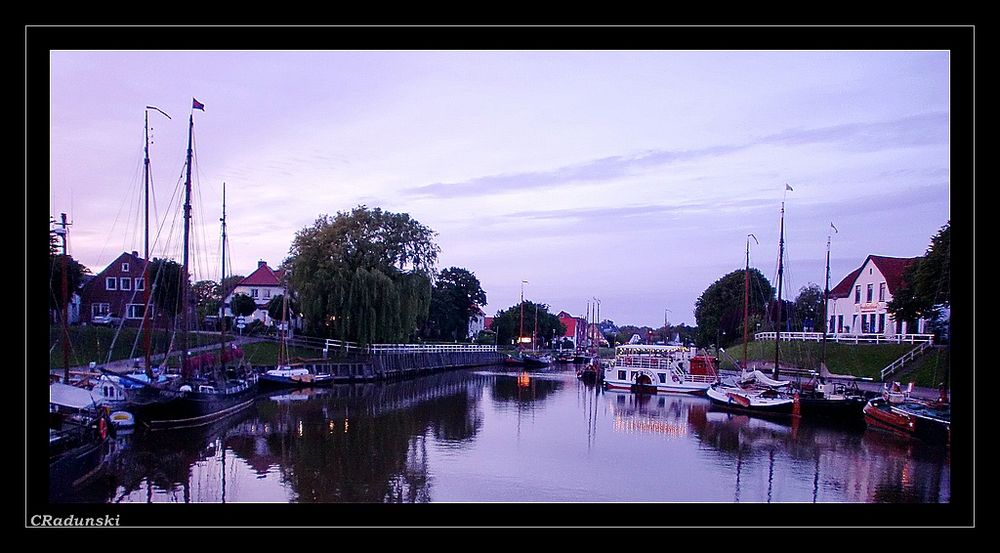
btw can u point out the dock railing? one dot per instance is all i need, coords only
(906, 358)
(848, 338)
(390, 349)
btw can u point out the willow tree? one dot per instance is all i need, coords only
(363, 275)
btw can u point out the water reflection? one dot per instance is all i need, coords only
(492, 435)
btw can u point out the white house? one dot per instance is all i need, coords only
(261, 285)
(857, 305)
(477, 323)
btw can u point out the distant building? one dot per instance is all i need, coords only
(261, 286)
(857, 305)
(118, 291)
(576, 328)
(477, 323)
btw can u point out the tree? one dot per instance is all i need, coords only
(363, 276)
(719, 310)
(207, 298)
(74, 275)
(455, 298)
(926, 285)
(242, 305)
(276, 306)
(507, 323)
(809, 307)
(165, 276)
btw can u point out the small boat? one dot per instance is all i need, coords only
(536, 361)
(657, 368)
(751, 399)
(897, 412)
(297, 377)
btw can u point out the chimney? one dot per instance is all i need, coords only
(261, 263)
(135, 254)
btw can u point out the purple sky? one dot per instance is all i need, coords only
(630, 176)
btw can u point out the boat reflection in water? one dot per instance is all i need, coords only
(493, 435)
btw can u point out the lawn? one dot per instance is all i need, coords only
(92, 343)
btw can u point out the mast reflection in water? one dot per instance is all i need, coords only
(495, 435)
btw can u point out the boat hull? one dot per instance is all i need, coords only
(908, 418)
(162, 409)
(742, 400)
(681, 387)
(275, 382)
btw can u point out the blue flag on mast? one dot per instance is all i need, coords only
(195, 104)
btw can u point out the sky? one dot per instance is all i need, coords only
(632, 177)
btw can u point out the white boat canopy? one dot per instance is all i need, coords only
(633, 349)
(65, 395)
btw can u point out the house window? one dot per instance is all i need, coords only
(126, 283)
(881, 292)
(140, 284)
(621, 375)
(871, 290)
(124, 267)
(134, 310)
(99, 309)
(663, 378)
(864, 324)
(881, 323)
(267, 293)
(253, 292)
(833, 323)
(857, 294)
(110, 283)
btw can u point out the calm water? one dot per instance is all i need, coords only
(478, 435)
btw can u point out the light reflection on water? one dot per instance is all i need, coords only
(488, 435)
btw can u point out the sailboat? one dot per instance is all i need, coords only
(285, 374)
(754, 391)
(204, 390)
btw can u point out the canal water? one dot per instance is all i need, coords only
(488, 435)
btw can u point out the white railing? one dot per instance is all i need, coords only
(848, 338)
(909, 356)
(409, 348)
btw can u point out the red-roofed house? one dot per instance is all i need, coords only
(261, 285)
(117, 291)
(576, 328)
(857, 304)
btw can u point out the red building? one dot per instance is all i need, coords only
(118, 291)
(576, 328)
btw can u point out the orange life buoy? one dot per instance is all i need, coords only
(102, 427)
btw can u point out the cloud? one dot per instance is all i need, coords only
(917, 130)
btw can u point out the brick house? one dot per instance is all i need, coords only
(576, 328)
(118, 290)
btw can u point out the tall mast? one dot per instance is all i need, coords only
(222, 278)
(64, 233)
(781, 272)
(826, 299)
(520, 331)
(184, 270)
(147, 291)
(746, 301)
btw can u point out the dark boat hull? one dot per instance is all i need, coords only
(159, 409)
(279, 382)
(849, 409)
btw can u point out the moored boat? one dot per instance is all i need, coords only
(658, 368)
(897, 412)
(751, 399)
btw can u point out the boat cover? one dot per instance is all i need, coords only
(763, 379)
(65, 395)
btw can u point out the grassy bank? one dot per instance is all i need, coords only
(92, 343)
(866, 360)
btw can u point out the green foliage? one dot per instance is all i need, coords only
(486, 338)
(207, 298)
(74, 274)
(508, 323)
(276, 307)
(363, 276)
(166, 276)
(926, 282)
(455, 298)
(719, 310)
(242, 305)
(809, 305)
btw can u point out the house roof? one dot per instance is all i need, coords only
(263, 276)
(892, 268)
